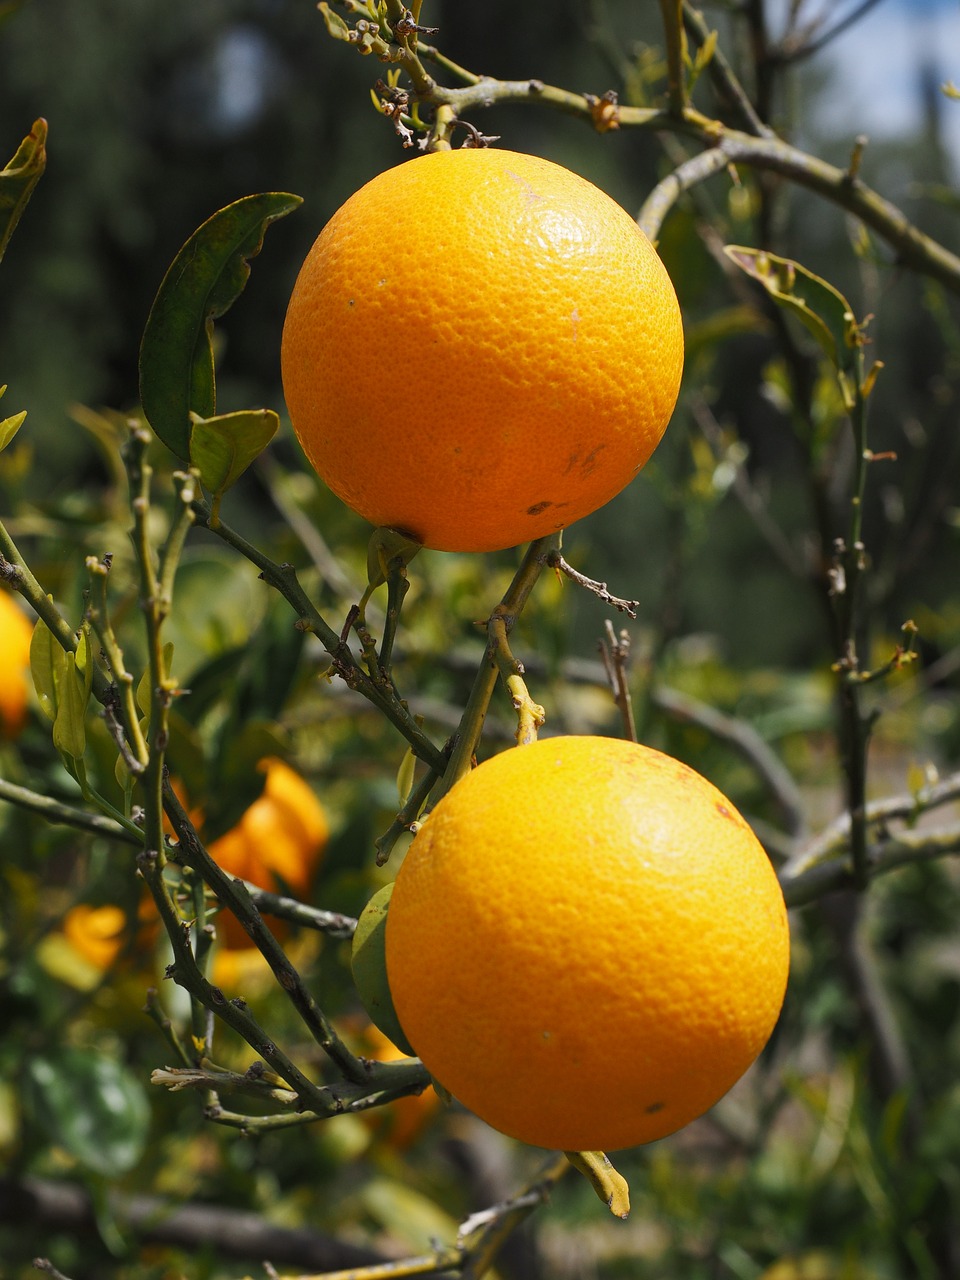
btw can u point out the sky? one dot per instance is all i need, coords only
(880, 57)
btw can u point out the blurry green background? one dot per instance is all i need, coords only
(161, 112)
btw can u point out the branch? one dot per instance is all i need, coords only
(283, 578)
(54, 811)
(499, 626)
(835, 839)
(722, 74)
(914, 249)
(48, 1206)
(556, 562)
(747, 741)
(802, 887)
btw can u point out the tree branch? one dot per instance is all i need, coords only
(46, 1206)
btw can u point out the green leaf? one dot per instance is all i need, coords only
(388, 550)
(19, 178)
(10, 426)
(405, 775)
(92, 1106)
(207, 276)
(821, 307)
(368, 962)
(222, 448)
(69, 730)
(47, 662)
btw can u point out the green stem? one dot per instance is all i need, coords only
(54, 811)
(15, 571)
(283, 578)
(722, 74)
(406, 817)
(671, 12)
(234, 894)
(139, 472)
(501, 622)
(132, 743)
(855, 725)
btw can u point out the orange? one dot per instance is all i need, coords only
(97, 933)
(481, 348)
(586, 944)
(278, 841)
(15, 635)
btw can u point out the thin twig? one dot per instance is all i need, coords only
(615, 655)
(283, 578)
(789, 52)
(599, 589)
(747, 741)
(813, 881)
(722, 74)
(54, 811)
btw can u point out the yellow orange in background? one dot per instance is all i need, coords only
(98, 934)
(279, 841)
(481, 348)
(16, 632)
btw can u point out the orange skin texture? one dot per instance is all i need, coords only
(481, 348)
(15, 635)
(586, 944)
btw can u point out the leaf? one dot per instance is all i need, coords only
(69, 730)
(10, 426)
(405, 775)
(388, 550)
(207, 276)
(821, 307)
(222, 448)
(368, 963)
(47, 661)
(92, 1106)
(19, 178)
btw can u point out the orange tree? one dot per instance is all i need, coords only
(474, 353)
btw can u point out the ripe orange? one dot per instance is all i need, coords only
(481, 348)
(15, 635)
(586, 943)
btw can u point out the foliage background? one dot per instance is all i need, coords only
(162, 112)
